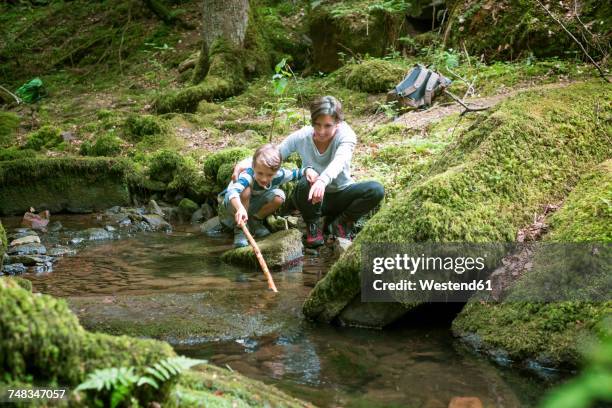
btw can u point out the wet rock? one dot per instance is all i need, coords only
(55, 226)
(277, 223)
(67, 136)
(341, 245)
(153, 208)
(20, 233)
(60, 250)
(311, 251)
(28, 260)
(197, 217)
(277, 249)
(465, 402)
(14, 269)
(28, 249)
(156, 222)
(186, 209)
(213, 228)
(125, 222)
(77, 241)
(207, 211)
(110, 228)
(371, 314)
(28, 239)
(95, 234)
(36, 221)
(292, 221)
(44, 267)
(113, 210)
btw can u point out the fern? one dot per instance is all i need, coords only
(116, 384)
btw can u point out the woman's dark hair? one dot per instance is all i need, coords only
(326, 105)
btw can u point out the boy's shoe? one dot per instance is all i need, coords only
(257, 228)
(342, 228)
(240, 240)
(314, 235)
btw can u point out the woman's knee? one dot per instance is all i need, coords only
(376, 190)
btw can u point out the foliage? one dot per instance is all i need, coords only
(109, 387)
(281, 105)
(370, 75)
(164, 165)
(48, 137)
(14, 153)
(139, 127)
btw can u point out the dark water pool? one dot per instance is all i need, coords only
(176, 284)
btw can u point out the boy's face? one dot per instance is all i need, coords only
(263, 174)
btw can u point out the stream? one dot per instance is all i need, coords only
(172, 286)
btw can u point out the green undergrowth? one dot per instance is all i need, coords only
(371, 75)
(3, 242)
(487, 183)
(9, 122)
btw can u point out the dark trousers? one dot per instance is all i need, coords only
(354, 201)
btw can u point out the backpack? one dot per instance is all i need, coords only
(420, 86)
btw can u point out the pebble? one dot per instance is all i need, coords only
(14, 269)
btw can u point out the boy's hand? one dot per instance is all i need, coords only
(311, 175)
(317, 190)
(241, 216)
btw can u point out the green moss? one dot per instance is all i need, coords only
(104, 145)
(554, 332)
(14, 153)
(507, 28)
(187, 207)
(278, 249)
(164, 165)
(586, 214)
(9, 122)
(217, 165)
(371, 75)
(487, 185)
(63, 184)
(139, 127)
(21, 282)
(47, 137)
(3, 242)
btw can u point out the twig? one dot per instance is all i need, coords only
(259, 256)
(17, 99)
(467, 108)
(467, 56)
(601, 73)
(442, 23)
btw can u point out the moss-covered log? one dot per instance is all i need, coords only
(551, 333)
(63, 184)
(488, 184)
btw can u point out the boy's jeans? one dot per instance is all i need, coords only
(227, 211)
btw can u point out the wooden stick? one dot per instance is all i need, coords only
(259, 256)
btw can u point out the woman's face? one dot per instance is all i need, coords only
(324, 128)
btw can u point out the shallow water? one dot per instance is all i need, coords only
(176, 284)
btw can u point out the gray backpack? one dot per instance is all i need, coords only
(419, 87)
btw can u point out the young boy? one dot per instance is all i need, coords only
(256, 193)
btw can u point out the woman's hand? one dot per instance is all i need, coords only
(317, 190)
(238, 168)
(241, 216)
(311, 175)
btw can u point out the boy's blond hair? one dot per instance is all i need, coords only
(268, 155)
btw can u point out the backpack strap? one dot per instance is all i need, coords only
(432, 83)
(413, 81)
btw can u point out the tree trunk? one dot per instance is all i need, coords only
(223, 20)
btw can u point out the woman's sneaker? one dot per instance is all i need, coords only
(240, 240)
(342, 228)
(258, 228)
(314, 235)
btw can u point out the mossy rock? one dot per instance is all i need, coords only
(186, 208)
(164, 165)
(63, 184)
(278, 249)
(47, 137)
(107, 145)
(42, 342)
(218, 167)
(15, 153)
(9, 122)
(139, 127)
(352, 28)
(553, 332)
(487, 185)
(371, 75)
(508, 29)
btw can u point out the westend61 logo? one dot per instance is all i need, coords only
(454, 272)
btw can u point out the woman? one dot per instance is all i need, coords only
(327, 146)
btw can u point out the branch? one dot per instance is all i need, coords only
(17, 99)
(601, 73)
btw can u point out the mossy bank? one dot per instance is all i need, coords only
(487, 184)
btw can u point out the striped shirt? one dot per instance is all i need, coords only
(247, 179)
